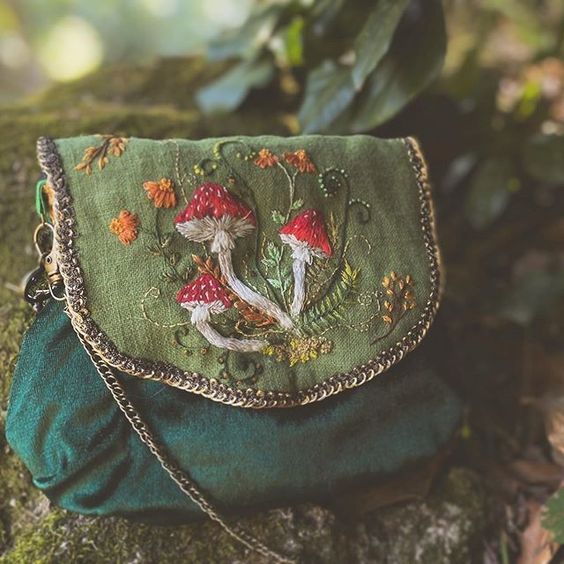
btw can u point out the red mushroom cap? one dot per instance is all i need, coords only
(214, 200)
(206, 289)
(309, 227)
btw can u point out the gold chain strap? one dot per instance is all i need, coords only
(180, 478)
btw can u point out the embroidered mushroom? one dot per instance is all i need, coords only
(216, 215)
(307, 237)
(205, 296)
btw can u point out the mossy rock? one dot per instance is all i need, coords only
(444, 528)
(156, 101)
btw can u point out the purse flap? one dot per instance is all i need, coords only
(259, 272)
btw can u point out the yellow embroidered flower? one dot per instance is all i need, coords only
(266, 159)
(162, 192)
(302, 349)
(300, 159)
(308, 348)
(125, 226)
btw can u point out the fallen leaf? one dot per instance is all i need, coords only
(537, 472)
(537, 544)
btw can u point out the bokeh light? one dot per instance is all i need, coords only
(71, 49)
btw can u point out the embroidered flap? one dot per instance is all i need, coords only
(259, 272)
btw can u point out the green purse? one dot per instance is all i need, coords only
(265, 274)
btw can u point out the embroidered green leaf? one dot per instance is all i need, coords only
(375, 37)
(274, 252)
(275, 283)
(297, 204)
(333, 306)
(165, 242)
(154, 250)
(269, 263)
(277, 217)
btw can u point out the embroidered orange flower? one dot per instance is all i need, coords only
(300, 159)
(266, 158)
(162, 192)
(125, 226)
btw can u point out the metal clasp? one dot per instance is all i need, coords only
(47, 272)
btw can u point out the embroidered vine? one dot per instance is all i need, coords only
(110, 146)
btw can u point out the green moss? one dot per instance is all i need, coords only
(444, 528)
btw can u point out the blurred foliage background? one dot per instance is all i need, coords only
(480, 82)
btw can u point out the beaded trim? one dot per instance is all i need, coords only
(69, 265)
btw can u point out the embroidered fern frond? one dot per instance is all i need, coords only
(331, 309)
(248, 312)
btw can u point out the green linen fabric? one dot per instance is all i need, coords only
(369, 196)
(83, 454)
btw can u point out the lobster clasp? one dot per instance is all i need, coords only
(35, 290)
(46, 279)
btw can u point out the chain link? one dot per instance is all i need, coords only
(187, 486)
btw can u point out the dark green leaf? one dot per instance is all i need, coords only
(375, 37)
(543, 158)
(412, 63)
(532, 294)
(329, 90)
(490, 191)
(246, 41)
(226, 93)
(324, 13)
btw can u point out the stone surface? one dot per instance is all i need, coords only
(444, 528)
(156, 101)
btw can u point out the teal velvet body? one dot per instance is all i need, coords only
(81, 451)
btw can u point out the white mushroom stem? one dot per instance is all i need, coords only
(222, 245)
(201, 318)
(299, 268)
(302, 255)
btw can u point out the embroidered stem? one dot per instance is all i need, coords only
(201, 319)
(299, 268)
(248, 295)
(292, 184)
